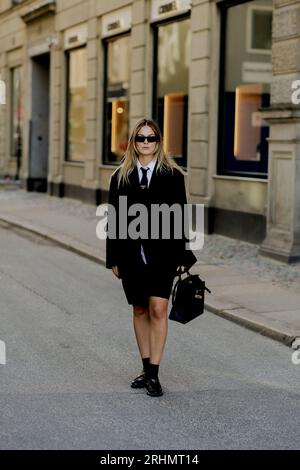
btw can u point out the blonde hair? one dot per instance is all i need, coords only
(130, 157)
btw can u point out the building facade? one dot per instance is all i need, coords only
(217, 75)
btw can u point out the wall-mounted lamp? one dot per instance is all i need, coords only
(52, 41)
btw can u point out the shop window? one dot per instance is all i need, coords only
(245, 76)
(116, 98)
(171, 84)
(76, 103)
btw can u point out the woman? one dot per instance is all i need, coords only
(147, 266)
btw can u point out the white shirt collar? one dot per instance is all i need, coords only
(150, 165)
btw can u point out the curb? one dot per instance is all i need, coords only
(86, 252)
(264, 330)
(63, 241)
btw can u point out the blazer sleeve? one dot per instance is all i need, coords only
(112, 244)
(185, 256)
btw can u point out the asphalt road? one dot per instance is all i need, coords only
(71, 355)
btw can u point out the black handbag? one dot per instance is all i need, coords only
(188, 298)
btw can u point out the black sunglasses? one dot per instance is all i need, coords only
(150, 138)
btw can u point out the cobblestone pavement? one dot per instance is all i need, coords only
(244, 258)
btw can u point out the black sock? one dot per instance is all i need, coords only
(153, 371)
(146, 361)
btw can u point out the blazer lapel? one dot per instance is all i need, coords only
(153, 180)
(134, 178)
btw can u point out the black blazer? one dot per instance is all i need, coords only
(163, 255)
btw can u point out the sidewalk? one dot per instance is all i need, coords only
(246, 299)
(9, 183)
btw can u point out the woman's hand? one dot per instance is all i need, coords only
(115, 270)
(181, 269)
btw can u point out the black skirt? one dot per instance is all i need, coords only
(146, 282)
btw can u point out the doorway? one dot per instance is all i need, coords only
(39, 124)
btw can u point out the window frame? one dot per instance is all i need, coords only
(155, 27)
(246, 169)
(67, 102)
(105, 41)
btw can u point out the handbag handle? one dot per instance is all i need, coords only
(176, 285)
(175, 290)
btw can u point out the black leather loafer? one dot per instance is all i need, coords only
(154, 388)
(139, 381)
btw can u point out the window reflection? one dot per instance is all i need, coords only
(77, 91)
(171, 108)
(247, 125)
(261, 28)
(116, 99)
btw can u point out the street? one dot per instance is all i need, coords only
(71, 355)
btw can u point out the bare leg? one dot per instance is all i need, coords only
(158, 327)
(141, 323)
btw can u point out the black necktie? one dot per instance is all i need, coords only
(144, 180)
